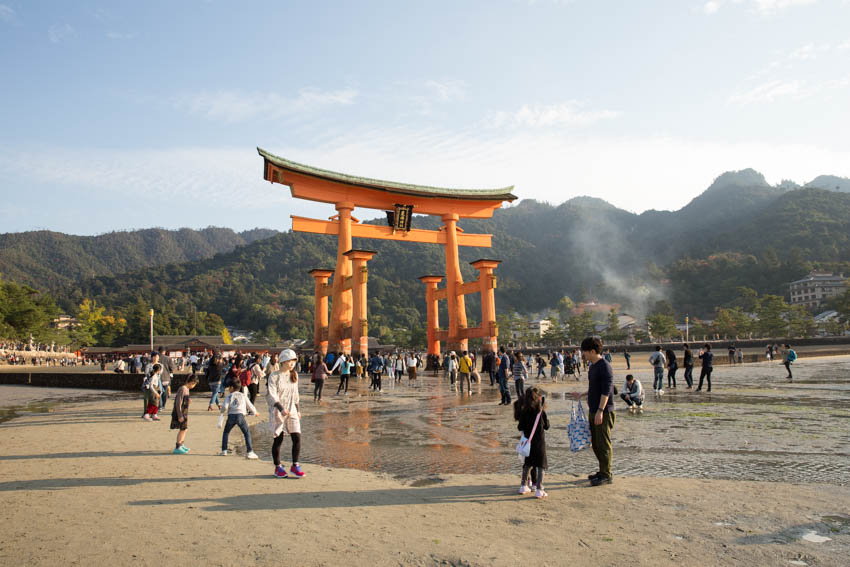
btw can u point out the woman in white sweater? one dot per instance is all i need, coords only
(284, 412)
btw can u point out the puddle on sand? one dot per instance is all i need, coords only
(11, 412)
(774, 435)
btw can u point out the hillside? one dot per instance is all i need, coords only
(53, 261)
(740, 232)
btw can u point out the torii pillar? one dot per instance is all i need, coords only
(320, 321)
(456, 340)
(432, 309)
(341, 307)
(487, 280)
(359, 323)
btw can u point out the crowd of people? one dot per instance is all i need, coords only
(235, 383)
(17, 353)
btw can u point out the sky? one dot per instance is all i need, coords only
(119, 114)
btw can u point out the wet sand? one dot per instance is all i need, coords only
(90, 483)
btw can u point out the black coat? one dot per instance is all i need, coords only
(537, 457)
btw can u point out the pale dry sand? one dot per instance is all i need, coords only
(91, 484)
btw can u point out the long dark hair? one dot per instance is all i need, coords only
(532, 401)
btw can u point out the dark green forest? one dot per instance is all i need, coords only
(740, 233)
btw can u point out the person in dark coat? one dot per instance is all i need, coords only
(526, 410)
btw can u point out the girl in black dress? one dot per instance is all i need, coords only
(526, 410)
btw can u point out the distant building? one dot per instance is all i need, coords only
(816, 288)
(536, 328)
(64, 322)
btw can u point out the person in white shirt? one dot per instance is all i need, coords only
(285, 413)
(237, 404)
(411, 366)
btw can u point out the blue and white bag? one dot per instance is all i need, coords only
(579, 429)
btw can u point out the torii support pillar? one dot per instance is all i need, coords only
(359, 323)
(320, 320)
(487, 280)
(454, 280)
(341, 305)
(432, 307)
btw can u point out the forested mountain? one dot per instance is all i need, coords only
(52, 261)
(741, 232)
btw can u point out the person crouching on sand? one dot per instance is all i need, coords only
(285, 413)
(180, 414)
(237, 404)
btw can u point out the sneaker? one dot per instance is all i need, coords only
(600, 480)
(524, 489)
(185, 448)
(296, 470)
(592, 476)
(640, 411)
(155, 418)
(660, 392)
(251, 455)
(223, 453)
(178, 451)
(146, 417)
(280, 471)
(540, 493)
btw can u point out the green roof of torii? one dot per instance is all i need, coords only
(503, 194)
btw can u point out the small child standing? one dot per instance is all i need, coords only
(526, 410)
(180, 414)
(153, 389)
(237, 404)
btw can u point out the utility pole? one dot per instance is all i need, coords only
(151, 330)
(687, 329)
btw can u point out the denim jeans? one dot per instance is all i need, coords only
(658, 381)
(214, 397)
(163, 399)
(518, 384)
(235, 419)
(503, 387)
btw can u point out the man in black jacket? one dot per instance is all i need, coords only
(600, 404)
(167, 372)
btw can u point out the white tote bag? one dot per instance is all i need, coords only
(523, 448)
(579, 429)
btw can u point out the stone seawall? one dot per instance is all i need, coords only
(91, 380)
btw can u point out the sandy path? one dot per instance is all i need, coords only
(91, 484)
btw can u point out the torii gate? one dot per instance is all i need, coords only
(347, 328)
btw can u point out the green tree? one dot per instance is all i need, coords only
(771, 311)
(565, 306)
(580, 326)
(555, 335)
(662, 326)
(731, 322)
(614, 333)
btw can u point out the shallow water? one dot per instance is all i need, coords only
(753, 426)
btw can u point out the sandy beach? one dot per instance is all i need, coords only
(89, 483)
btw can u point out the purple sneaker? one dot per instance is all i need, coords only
(296, 470)
(280, 471)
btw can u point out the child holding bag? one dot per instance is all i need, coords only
(530, 412)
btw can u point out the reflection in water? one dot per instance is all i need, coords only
(752, 427)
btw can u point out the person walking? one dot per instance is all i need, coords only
(464, 367)
(656, 359)
(541, 367)
(255, 367)
(707, 358)
(520, 374)
(451, 369)
(180, 415)
(213, 376)
(344, 372)
(530, 413)
(600, 403)
(672, 366)
(688, 363)
(411, 363)
(488, 365)
(167, 371)
(790, 357)
(628, 358)
(376, 368)
(320, 372)
(153, 388)
(502, 373)
(285, 413)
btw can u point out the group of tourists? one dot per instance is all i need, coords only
(661, 360)
(17, 353)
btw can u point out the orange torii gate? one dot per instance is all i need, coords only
(347, 329)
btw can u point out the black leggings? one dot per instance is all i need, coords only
(671, 376)
(253, 390)
(536, 476)
(343, 381)
(317, 389)
(296, 447)
(788, 368)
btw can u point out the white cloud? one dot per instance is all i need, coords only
(844, 45)
(763, 7)
(238, 106)
(569, 113)
(772, 91)
(60, 32)
(711, 7)
(809, 51)
(7, 14)
(447, 91)
(119, 35)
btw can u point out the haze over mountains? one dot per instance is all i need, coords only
(740, 232)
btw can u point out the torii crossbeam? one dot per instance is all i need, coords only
(347, 328)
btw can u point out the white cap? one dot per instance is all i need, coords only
(287, 354)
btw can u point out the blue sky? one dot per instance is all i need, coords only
(120, 115)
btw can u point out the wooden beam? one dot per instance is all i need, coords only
(314, 226)
(469, 287)
(441, 294)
